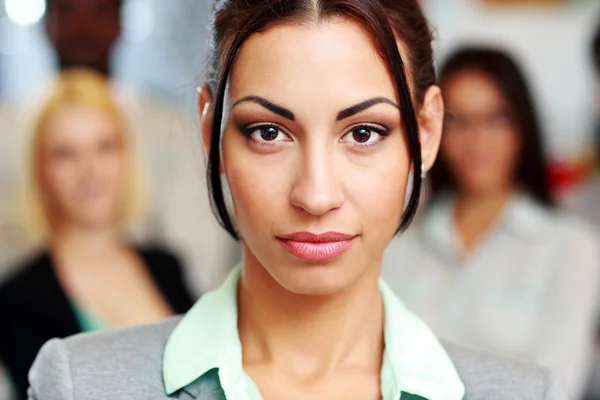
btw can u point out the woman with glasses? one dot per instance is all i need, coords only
(493, 265)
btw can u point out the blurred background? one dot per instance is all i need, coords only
(155, 63)
(155, 52)
(552, 41)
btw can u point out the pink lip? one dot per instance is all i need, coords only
(312, 247)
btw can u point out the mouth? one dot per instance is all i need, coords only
(309, 246)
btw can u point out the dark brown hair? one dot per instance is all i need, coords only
(387, 21)
(531, 173)
(596, 48)
(51, 3)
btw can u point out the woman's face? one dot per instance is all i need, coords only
(82, 166)
(481, 143)
(315, 155)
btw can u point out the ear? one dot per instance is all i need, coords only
(206, 115)
(431, 121)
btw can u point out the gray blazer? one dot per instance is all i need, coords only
(126, 365)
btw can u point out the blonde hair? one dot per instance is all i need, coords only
(88, 89)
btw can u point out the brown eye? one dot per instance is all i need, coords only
(266, 133)
(361, 135)
(269, 133)
(365, 135)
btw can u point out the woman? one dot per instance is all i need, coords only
(308, 114)
(82, 188)
(494, 265)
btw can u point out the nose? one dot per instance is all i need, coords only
(478, 136)
(90, 164)
(317, 188)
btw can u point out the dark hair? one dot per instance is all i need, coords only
(595, 53)
(51, 3)
(596, 48)
(531, 172)
(235, 20)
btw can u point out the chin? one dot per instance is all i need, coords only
(314, 280)
(484, 185)
(95, 220)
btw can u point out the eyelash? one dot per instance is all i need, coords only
(381, 131)
(249, 131)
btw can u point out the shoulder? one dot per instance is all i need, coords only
(575, 226)
(584, 198)
(491, 377)
(577, 237)
(127, 343)
(125, 361)
(554, 228)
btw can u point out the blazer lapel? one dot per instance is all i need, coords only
(51, 301)
(410, 396)
(207, 387)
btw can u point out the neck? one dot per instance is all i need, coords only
(101, 67)
(309, 335)
(489, 202)
(85, 245)
(476, 213)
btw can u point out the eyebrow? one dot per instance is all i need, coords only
(345, 113)
(362, 106)
(277, 109)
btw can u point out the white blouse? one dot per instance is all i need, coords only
(529, 290)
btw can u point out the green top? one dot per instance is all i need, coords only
(88, 321)
(206, 340)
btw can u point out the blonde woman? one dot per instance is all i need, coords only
(82, 188)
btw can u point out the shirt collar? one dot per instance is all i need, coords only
(418, 359)
(526, 217)
(522, 216)
(208, 332)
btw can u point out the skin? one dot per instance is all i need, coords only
(481, 145)
(83, 165)
(83, 32)
(315, 329)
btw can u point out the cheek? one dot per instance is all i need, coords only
(117, 168)
(452, 147)
(57, 178)
(248, 194)
(259, 187)
(378, 192)
(484, 158)
(507, 149)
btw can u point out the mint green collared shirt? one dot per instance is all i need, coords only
(414, 361)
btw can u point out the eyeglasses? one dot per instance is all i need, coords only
(496, 121)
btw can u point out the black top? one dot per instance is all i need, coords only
(34, 308)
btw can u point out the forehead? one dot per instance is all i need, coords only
(319, 64)
(472, 90)
(77, 124)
